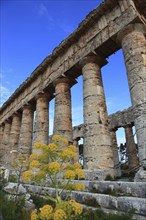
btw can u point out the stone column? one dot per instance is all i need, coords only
(97, 141)
(5, 143)
(1, 133)
(134, 48)
(14, 136)
(115, 151)
(76, 143)
(133, 161)
(25, 141)
(63, 113)
(41, 125)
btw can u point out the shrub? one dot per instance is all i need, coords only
(49, 163)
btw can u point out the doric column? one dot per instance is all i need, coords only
(115, 150)
(97, 141)
(76, 143)
(114, 146)
(134, 48)
(41, 125)
(63, 113)
(25, 141)
(14, 136)
(1, 132)
(133, 161)
(5, 143)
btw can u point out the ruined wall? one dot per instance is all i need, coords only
(115, 121)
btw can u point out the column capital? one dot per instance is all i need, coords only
(63, 79)
(42, 95)
(27, 106)
(101, 61)
(113, 129)
(128, 126)
(8, 121)
(16, 114)
(137, 27)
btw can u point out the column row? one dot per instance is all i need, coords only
(98, 153)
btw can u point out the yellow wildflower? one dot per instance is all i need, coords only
(59, 215)
(77, 208)
(68, 154)
(52, 147)
(39, 145)
(65, 206)
(54, 167)
(40, 175)
(79, 173)
(69, 166)
(69, 174)
(77, 165)
(45, 212)
(72, 148)
(27, 176)
(78, 186)
(34, 164)
(33, 157)
(64, 141)
(34, 215)
(56, 137)
(44, 167)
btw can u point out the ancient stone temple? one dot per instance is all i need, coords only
(112, 26)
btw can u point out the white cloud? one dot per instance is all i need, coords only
(5, 86)
(42, 11)
(4, 94)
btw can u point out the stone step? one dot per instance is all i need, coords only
(115, 188)
(121, 203)
(110, 211)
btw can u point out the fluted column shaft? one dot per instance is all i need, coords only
(41, 125)
(133, 161)
(5, 143)
(25, 141)
(63, 113)
(14, 135)
(76, 143)
(1, 133)
(134, 48)
(97, 141)
(114, 146)
(115, 151)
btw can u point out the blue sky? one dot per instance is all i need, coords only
(30, 30)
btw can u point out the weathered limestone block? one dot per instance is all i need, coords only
(25, 141)
(63, 114)
(14, 136)
(134, 48)
(97, 142)
(5, 143)
(131, 151)
(121, 203)
(41, 125)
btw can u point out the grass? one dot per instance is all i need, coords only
(12, 210)
(100, 215)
